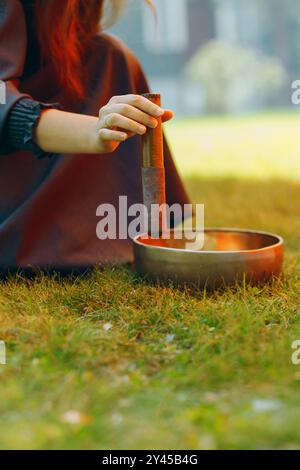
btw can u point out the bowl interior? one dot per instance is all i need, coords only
(216, 240)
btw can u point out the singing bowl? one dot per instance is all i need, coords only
(229, 256)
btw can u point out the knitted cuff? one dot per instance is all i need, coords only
(22, 121)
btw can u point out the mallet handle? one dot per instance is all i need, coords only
(153, 154)
(153, 169)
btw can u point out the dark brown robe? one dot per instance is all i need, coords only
(48, 207)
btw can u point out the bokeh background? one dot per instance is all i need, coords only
(217, 55)
(226, 68)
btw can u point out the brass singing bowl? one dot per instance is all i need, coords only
(228, 256)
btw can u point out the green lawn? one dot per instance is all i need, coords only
(111, 362)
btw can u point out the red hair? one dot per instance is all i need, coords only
(65, 29)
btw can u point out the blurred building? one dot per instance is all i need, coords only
(165, 42)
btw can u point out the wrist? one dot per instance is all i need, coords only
(95, 144)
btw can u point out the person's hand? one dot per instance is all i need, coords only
(124, 117)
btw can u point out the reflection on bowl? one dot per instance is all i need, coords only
(227, 256)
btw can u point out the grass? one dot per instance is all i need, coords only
(108, 361)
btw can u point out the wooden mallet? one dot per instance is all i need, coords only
(153, 174)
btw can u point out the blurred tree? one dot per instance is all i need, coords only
(276, 32)
(231, 75)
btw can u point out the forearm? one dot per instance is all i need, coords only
(62, 132)
(43, 130)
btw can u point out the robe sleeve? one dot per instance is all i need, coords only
(13, 45)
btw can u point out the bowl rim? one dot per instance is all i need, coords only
(278, 243)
